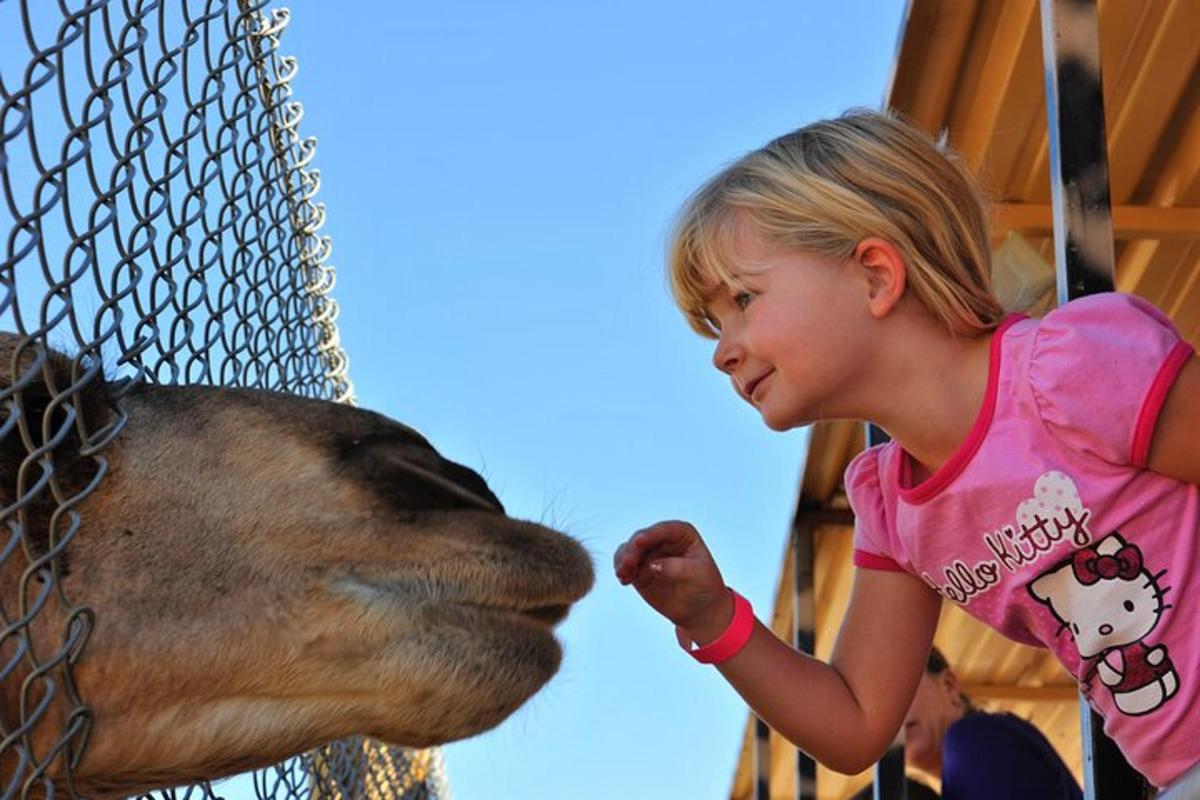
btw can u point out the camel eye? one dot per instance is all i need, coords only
(1128, 605)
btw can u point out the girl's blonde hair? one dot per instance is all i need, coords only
(826, 187)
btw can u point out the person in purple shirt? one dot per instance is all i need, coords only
(980, 756)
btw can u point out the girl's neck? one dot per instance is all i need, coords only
(928, 390)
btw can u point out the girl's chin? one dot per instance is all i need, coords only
(782, 422)
(776, 425)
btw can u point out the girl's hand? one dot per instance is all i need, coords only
(673, 571)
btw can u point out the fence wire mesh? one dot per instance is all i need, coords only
(161, 223)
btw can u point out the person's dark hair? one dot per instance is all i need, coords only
(936, 664)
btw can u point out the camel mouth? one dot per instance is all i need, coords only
(551, 614)
(547, 615)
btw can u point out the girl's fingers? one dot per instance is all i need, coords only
(625, 561)
(667, 569)
(619, 557)
(667, 538)
(672, 569)
(671, 534)
(629, 562)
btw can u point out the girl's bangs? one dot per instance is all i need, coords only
(701, 265)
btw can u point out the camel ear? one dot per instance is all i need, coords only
(58, 396)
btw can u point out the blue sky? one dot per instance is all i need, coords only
(500, 179)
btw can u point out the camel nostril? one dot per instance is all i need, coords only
(1106, 629)
(474, 486)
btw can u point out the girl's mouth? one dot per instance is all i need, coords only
(753, 385)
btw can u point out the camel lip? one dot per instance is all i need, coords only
(372, 590)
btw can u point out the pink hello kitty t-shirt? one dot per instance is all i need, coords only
(1047, 525)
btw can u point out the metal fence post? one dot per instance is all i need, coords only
(1083, 256)
(804, 637)
(762, 760)
(889, 771)
(889, 775)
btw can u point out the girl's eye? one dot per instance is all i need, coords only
(742, 299)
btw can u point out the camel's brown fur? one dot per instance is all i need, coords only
(269, 573)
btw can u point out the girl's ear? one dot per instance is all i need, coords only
(883, 269)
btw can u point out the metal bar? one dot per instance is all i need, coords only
(804, 616)
(1106, 773)
(889, 781)
(889, 775)
(1083, 253)
(876, 435)
(1083, 239)
(762, 760)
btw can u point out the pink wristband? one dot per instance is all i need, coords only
(732, 639)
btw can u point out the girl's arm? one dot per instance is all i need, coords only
(846, 713)
(1175, 448)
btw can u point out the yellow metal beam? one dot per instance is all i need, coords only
(1036, 694)
(1129, 222)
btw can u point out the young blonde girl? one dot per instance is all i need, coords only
(1042, 473)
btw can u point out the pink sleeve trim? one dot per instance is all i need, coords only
(1143, 432)
(871, 561)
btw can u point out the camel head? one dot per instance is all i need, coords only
(269, 573)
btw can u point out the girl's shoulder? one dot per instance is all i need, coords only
(863, 473)
(864, 480)
(876, 542)
(1108, 316)
(1099, 367)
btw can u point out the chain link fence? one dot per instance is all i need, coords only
(160, 220)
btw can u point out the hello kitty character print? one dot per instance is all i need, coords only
(1109, 602)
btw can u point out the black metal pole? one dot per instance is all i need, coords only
(1083, 256)
(804, 638)
(762, 760)
(889, 770)
(889, 775)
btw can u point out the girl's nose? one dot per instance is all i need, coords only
(726, 356)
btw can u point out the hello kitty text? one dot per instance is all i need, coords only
(1053, 515)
